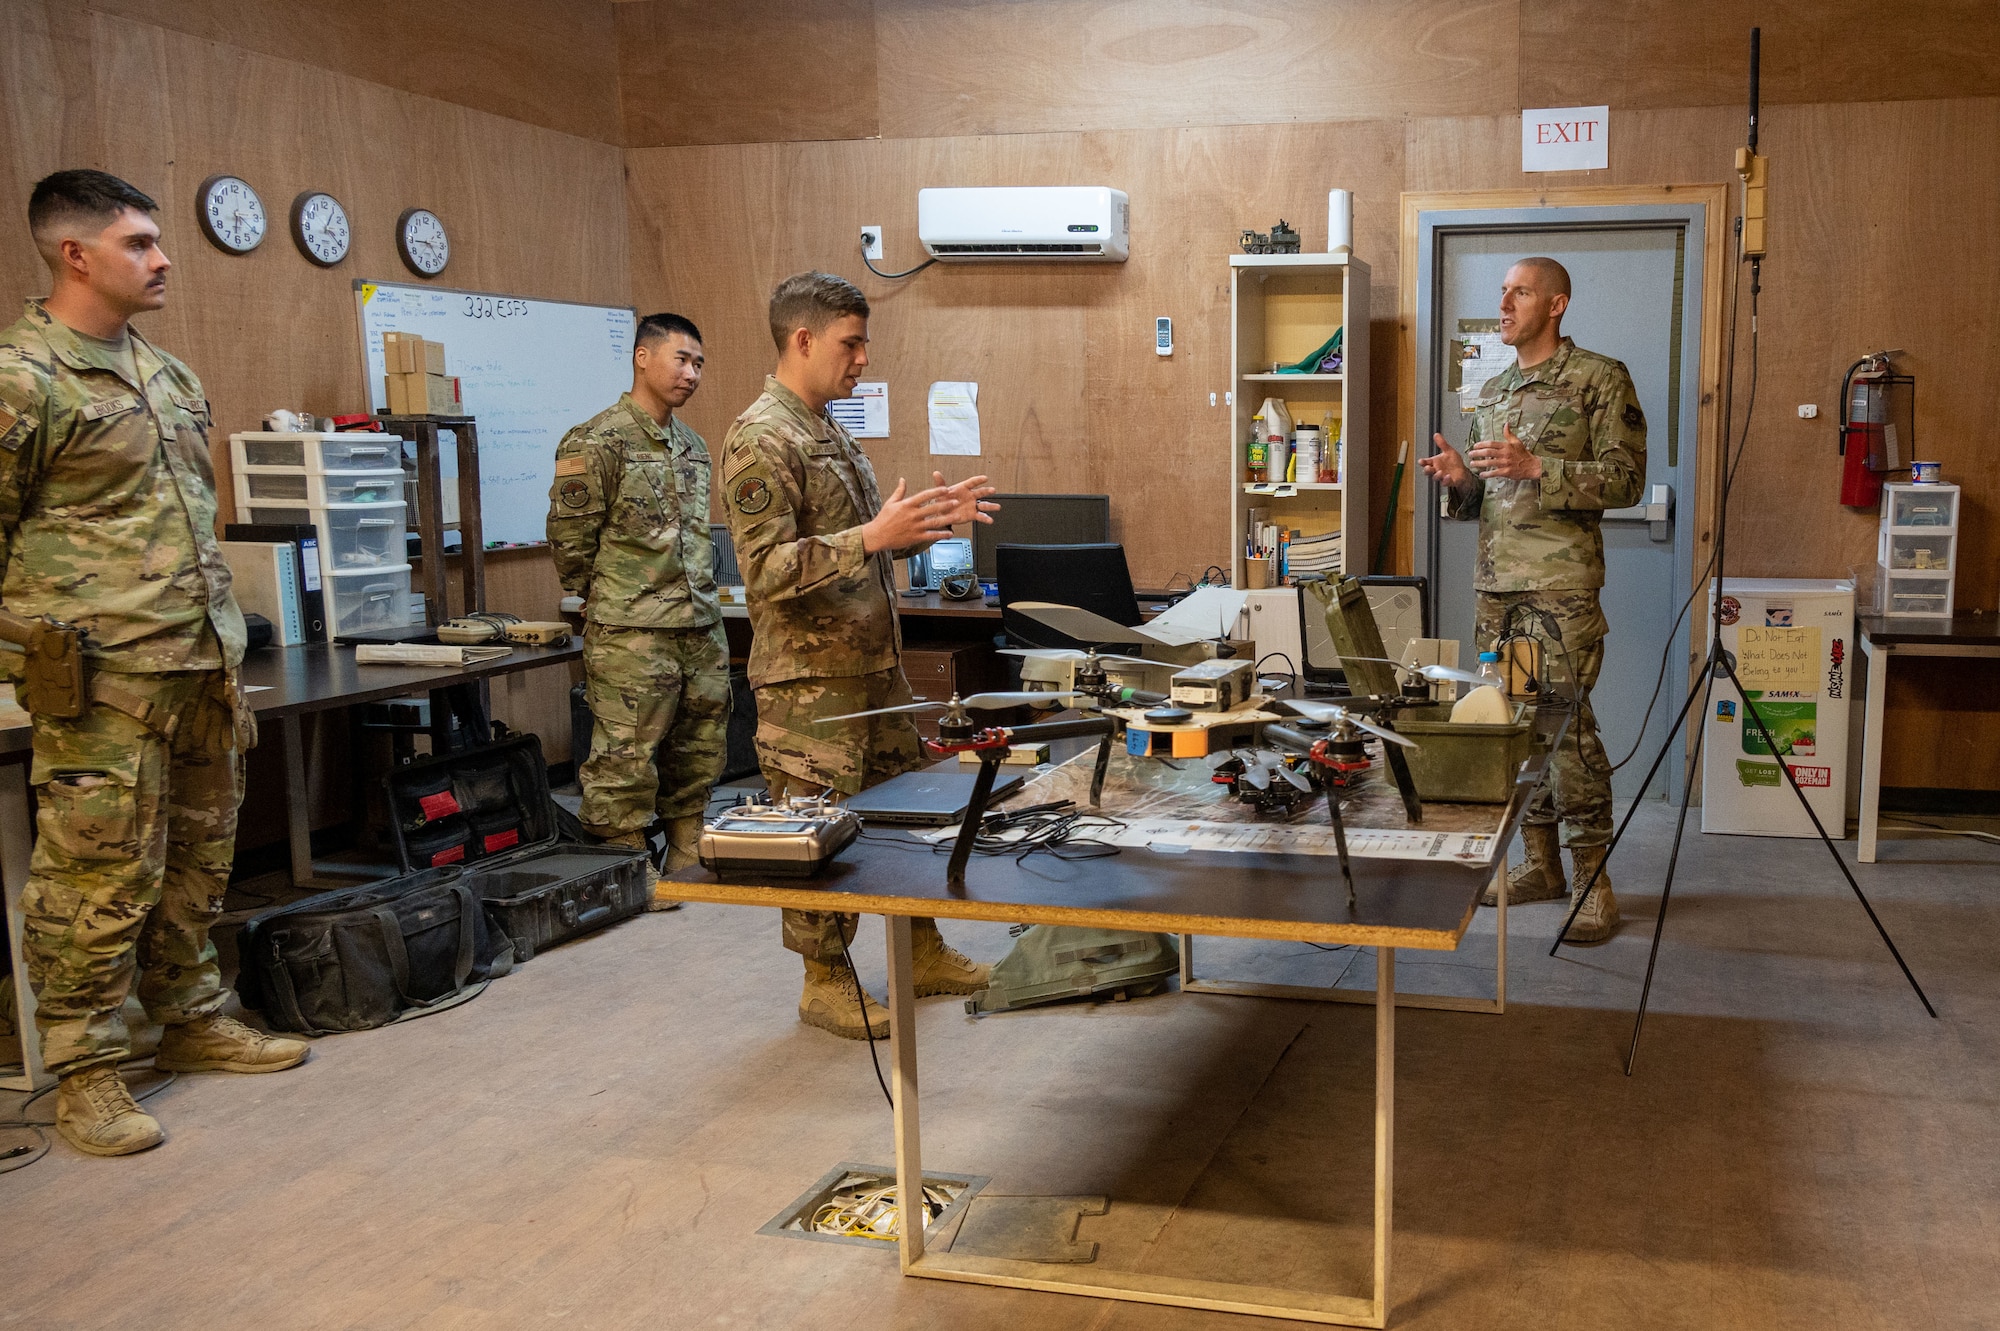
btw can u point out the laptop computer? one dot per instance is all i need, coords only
(925, 798)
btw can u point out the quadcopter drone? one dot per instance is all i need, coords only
(1267, 780)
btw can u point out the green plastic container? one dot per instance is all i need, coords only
(1465, 764)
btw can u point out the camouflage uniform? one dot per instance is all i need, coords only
(1540, 546)
(824, 637)
(628, 520)
(107, 521)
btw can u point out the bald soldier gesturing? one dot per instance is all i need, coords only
(1558, 439)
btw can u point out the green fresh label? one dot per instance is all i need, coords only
(1794, 725)
(1757, 774)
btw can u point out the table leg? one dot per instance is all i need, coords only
(298, 800)
(1385, 1114)
(903, 1090)
(1500, 936)
(1871, 749)
(16, 840)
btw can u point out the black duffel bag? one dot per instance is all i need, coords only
(367, 956)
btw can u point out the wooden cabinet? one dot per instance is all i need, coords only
(936, 670)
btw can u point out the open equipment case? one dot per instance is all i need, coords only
(488, 811)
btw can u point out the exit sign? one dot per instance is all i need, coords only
(1566, 138)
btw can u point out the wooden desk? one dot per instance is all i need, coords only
(1882, 639)
(1398, 904)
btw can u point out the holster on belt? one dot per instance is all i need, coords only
(54, 684)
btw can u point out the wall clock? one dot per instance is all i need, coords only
(232, 216)
(319, 227)
(421, 240)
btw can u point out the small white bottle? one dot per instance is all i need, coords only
(1489, 672)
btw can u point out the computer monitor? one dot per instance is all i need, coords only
(1090, 577)
(727, 574)
(1039, 520)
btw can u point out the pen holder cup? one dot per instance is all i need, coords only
(1259, 573)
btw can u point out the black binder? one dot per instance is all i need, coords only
(304, 540)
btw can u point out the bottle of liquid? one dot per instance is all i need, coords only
(1308, 447)
(1330, 454)
(1489, 672)
(1256, 456)
(1277, 440)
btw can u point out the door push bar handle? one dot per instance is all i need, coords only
(1657, 512)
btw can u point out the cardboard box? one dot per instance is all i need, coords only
(424, 395)
(402, 353)
(407, 353)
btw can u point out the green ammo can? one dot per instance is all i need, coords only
(1461, 763)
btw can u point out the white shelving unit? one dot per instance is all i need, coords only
(1281, 307)
(1916, 552)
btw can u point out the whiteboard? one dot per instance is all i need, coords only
(528, 371)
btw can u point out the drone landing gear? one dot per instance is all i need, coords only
(991, 745)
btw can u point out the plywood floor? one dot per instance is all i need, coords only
(594, 1141)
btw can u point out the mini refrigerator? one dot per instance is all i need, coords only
(1793, 640)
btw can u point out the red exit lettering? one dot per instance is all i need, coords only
(1565, 131)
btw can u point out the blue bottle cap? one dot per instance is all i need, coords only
(1489, 656)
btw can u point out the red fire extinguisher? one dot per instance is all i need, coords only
(1876, 427)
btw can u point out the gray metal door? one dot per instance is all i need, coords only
(1636, 275)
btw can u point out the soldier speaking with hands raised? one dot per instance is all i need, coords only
(816, 541)
(1558, 439)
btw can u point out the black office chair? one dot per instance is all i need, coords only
(1090, 577)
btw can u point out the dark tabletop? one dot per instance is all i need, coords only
(318, 676)
(1398, 903)
(1967, 628)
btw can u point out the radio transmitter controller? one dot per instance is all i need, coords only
(796, 838)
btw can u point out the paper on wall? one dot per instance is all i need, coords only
(955, 418)
(866, 414)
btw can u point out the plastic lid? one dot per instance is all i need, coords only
(1489, 656)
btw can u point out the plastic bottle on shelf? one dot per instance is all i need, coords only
(1256, 457)
(1277, 439)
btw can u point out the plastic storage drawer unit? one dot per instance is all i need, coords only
(363, 600)
(318, 452)
(1917, 594)
(290, 486)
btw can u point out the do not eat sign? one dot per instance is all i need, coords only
(1566, 138)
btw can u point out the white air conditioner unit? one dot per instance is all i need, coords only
(1037, 225)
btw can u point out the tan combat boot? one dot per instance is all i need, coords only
(833, 1001)
(1599, 916)
(683, 850)
(1539, 876)
(942, 968)
(97, 1115)
(224, 1044)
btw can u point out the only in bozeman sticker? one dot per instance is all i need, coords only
(753, 496)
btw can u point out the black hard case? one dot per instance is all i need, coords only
(537, 888)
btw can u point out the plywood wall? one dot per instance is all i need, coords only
(1072, 396)
(532, 210)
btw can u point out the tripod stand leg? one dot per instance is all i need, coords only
(1806, 804)
(1667, 887)
(1666, 747)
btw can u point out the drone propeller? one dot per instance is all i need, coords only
(1435, 673)
(978, 702)
(1326, 711)
(1073, 654)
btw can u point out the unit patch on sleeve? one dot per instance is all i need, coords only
(575, 494)
(753, 496)
(1635, 419)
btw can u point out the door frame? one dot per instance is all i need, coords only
(1703, 209)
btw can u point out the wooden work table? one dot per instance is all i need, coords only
(1423, 904)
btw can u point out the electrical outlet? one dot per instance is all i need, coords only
(1809, 411)
(871, 242)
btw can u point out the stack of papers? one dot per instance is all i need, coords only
(1313, 554)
